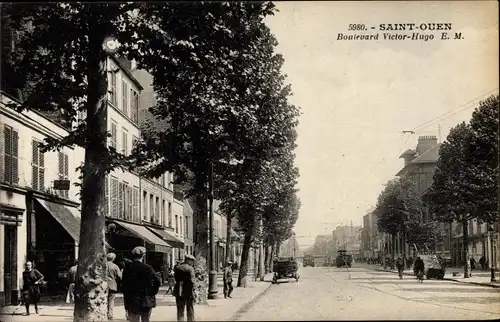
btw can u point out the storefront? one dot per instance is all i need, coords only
(124, 236)
(177, 251)
(10, 220)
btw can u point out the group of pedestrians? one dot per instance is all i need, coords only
(139, 283)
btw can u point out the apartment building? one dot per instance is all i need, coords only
(39, 201)
(140, 210)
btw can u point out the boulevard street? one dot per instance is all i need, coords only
(329, 293)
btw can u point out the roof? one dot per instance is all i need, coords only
(429, 156)
(127, 72)
(408, 152)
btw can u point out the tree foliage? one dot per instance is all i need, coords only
(450, 198)
(397, 205)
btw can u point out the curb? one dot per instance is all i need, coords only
(249, 304)
(449, 279)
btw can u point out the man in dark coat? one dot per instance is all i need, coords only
(228, 280)
(184, 288)
(140, 285)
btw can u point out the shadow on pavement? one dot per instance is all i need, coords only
(452, 290)
(475, 299)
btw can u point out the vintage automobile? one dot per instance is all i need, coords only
(285, 267)
(308, 260)
(433, 267)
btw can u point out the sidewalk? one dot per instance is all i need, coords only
(219, 309)
(478, 277)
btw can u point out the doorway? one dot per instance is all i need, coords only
(10, 264)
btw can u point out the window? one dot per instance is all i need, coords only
(114, 197)
(170, 214)
(106, 196)
(163, 221)
(121, 198)
(176, 224)
(157, 211)
(11, 154)
(151, 207)
(124, 141)
(186, 231)
(135, 140)
(134, 108)
(113, 135)
(181, 225)
(38, 167)
(144, 205)
(112, 87)
(125, 99)
(63, 172)
(136, 204)
(163, 180)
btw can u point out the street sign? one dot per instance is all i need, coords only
(61, 184)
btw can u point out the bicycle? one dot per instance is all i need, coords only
(420, 276)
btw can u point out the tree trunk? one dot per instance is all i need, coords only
(91, 294)
(245, 252)
(271, 258)
(262, 272)
(278, 244)
(403, 238)
(255, 263)
(266, 258)
(200, 222)
(467, 267)
(229, 240)
(393, 250)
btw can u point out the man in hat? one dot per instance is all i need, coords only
(184, 288)
(114, 276)
(140, 285)
(228, 280)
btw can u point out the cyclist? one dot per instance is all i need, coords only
(419, 268)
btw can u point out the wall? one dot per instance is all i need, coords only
(32, 126)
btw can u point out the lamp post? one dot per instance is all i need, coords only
(212, 275)
(490, 254)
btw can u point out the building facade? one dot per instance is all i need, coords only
(39, 219)
(140, 210)
(348, 238)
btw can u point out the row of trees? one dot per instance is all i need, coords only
(464, 187)
(221, 97)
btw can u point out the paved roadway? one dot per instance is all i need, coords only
(361, 293)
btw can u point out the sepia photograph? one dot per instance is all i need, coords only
(249, 161)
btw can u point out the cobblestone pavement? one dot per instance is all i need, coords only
(327, 293)
(219, 309)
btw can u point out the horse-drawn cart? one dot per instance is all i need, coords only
(285, 268)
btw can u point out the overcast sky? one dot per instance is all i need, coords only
(357, 96)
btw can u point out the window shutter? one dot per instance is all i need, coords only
(60, 157)
(15, 157)
(120, 200)
(66, 173)
(113, 135)
(114, 197)
(130, 203)
(106, 196)
(34, 165)
(125, 93)
(136, 204)
(41, 175)
(7, 154)
(124, 143)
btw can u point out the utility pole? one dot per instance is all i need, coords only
(212, 275)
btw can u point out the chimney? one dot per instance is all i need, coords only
(425, 143)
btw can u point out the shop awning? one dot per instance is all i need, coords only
(156, 244)
(68, 217)
(168, 237)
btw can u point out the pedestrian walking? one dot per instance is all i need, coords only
(114, 277)
(140, 286)
(400, 266)
(171, 281)
(70, 297)
(184, 288)
(228, 280)
(482, 262)
(32, 280)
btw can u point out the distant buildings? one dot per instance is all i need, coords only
(347, 238)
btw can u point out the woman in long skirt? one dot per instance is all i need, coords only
(32, 279)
